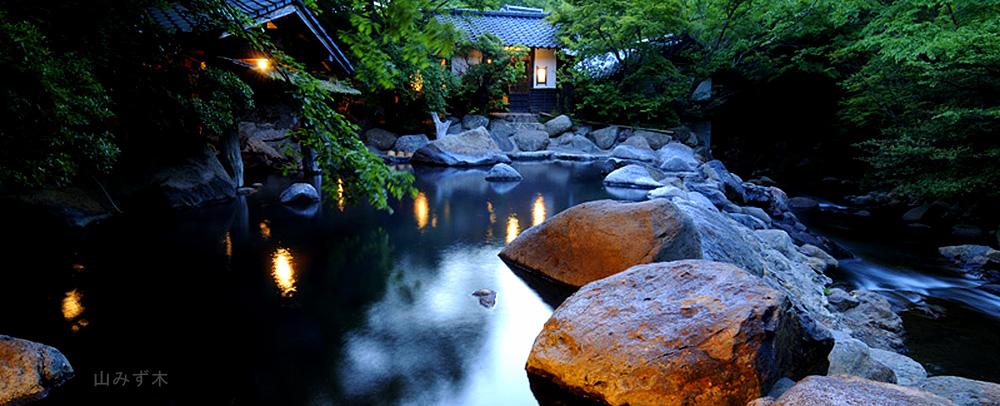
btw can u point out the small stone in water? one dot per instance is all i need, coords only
(487, 298)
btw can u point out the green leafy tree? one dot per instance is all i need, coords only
(483, 85)
(57, 113)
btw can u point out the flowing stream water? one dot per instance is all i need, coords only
(253, 303)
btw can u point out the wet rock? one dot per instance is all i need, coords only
(196, 181)
(748, 221)
(605, 137)
(575, 144)
(634, 153)
(638, 142)
(300, 193)
(503, 173)
(779, 388)
(531, 140)
(29, 370)
(908, 372)
(841, 390)
(962, 391)
(666, 192)
(826, 261)
(873, 322)
(684, 332)
(971, 257)
(487, 298)
(410, 143)
(677, 157)
(584, 242)
(632, 176)
(503, 128)
(725, 240)
(471, 122)
(840, 300)
(656, 140)
(852, 357)
(380, 138)
(558, 125)
(471, 148)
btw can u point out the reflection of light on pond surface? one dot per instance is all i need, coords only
(513, 227)
(340, 194)
(421, 210)
(72, 309)
(265, 230)
(284, 274)
(493, 214)
(229, 245)
(538, 211)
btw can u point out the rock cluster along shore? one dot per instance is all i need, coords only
(711, 292)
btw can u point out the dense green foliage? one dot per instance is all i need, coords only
(55, 112)
(918, 78)
(482, 87)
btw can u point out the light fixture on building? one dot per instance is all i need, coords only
(541, 75)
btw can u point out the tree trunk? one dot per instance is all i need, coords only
(440, 128)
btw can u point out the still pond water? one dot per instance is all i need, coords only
(252, 303)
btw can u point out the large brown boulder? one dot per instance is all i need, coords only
(593, 240)
(841, 390)
(28, 370)
(685, 332)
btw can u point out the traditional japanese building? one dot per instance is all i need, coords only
(516, 27)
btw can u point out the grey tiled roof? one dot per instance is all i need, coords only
(176, 17)
(512, 27)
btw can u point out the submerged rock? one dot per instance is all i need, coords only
(632, 176)
(684, 332)
(503, 173)
(596, 239)
(29, 370)
(962, 391)
(840, 390)
(471, 148)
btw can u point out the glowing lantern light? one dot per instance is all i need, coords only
(263, 64)
(541, 75)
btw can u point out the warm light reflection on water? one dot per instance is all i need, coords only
(421, 210)
(265, 230)
(493, 214)
(513, 227)
(538, 211)
(229, 245)
(284, 274)
(72, 309)
(340, 194)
